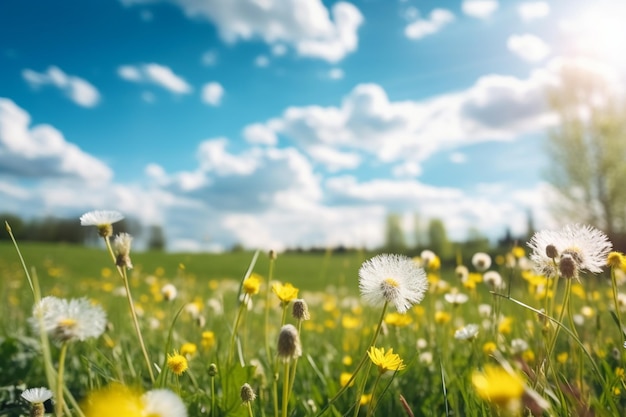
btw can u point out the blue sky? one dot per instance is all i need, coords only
(277, 123)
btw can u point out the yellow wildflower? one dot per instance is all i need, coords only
(188, 349)
(504, 327)
(344, 378)
(386, 361)
(441, 317)
(397, 319)
(499, 387)
(177, 363)
(562, 357)
(518, 252)
(115, 400)
(252, 284)
(208, 339)
(285, 292)
(365, 399)
(489, 348)
(616, 260)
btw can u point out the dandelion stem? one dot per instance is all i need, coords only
(250, 409)
(268, 291)
(233, 336)
(133, 313)
(616, 302)
(361, 362)
(59, 399)
(286, 389)
(370, 409)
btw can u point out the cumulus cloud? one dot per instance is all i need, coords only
(308, 26)
(212, 93)
(481, 9)
(78, 90)
(436, 21)
(532, 10)
(335, 74)
(495, 107)
(260, 134)
(528, 47)
(156, 74)
(41, 150)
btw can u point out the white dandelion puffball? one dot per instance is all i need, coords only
(394, 279)
(37, 395)
(163, 403)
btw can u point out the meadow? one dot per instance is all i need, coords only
(259, 334)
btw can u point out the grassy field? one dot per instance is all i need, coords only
(577, 370)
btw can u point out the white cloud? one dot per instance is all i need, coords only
(408, 169)
(260, 134)
(279, 49)
(532, 10)
(212, 93)
(41, 150)
(528, 47)
(480, 9)
(333, 159)
(308, 26)
(78, 90)
(157, 74)
(436, 21)
(458, 158)
(209, 58)
(494, 108)
(335, 74)
(261, 61)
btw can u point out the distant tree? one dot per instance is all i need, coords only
(418, 231)
(438, 239)
(156, 238)
(394, 235)
(587, 152)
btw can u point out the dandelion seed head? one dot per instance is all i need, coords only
(394, 279)
(37, 395)
(68, 321)
(584, 248)
(102, 219)
(481, 261)
(247, 393)
(468, 332)
(289, 343)
(163, 403)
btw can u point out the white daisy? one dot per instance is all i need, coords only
(102, 219)
(37, 395)
(571, 250)
(395, 279)
(468, 332)
(63, 320)
(163, 403)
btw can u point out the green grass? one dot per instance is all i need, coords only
(437, 379)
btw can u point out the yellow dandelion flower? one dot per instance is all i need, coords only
(489, 348)
(386, 361)
(252, 284)
(208, 339)
(115, 400)
(398, 320)
(518, 252)
(285, 292)
(562, 357)
(350, 322)
(617, 391)
(188, 349)
(441, 317)
(616, 260)
(347, 360)
(505, 325)
(579, 291)
(499, 387)
(177, 363)
(619, 372)
(344, 378)
(528, 356)
(365, 399)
